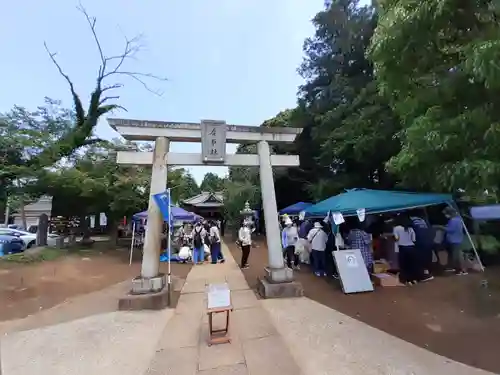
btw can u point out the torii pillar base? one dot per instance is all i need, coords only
(146, 294)
(279, 283)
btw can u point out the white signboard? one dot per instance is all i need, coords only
(338, 218)
(354, 277)
(92, 221)
(213, 141)
(103, 220)
(219, 296)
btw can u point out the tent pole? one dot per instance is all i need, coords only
(169, 226)
(470, 239)
(132, 243)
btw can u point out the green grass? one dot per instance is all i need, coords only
(46, 254)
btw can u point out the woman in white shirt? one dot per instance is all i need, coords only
(410, 270)
(245, 241)
(289, 238)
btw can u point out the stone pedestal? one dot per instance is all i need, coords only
(279, 290)
(279, 275)
(141, 285)
(146, 294)
(152, 301)
(279, 283)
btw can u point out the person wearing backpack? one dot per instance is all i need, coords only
(215, 245)
(198, 234)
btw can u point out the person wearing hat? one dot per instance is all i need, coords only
(318, 239)
(289, 238)
(454, 237)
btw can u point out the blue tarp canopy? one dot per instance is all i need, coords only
(491, 212)
(295, 209)
(177, 213)
(375, 201)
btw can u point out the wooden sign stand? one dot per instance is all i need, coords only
(218, 336)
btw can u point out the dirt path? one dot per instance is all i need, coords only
(451, 316)
(29, 289)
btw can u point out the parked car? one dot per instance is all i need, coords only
(28, 238)
(11, 245)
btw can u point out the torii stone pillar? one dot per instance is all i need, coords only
(273, 233)
(213, 135)
(151, 256)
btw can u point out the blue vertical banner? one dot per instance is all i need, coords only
(163, 202)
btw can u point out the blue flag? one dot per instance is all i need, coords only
(163, 202)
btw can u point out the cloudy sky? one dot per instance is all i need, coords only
(232, 60)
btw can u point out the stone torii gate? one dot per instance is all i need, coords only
(213, 136)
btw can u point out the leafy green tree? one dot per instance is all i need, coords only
(242, 185)
(183, 185)
(94, 184)
(292, 184)
(212, 183)
(349, 128)
(436, 61)
(24, 138)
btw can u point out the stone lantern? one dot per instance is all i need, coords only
(248, 215)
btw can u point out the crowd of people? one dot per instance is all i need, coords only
(204, 234)
(313, 242)
(415, 243)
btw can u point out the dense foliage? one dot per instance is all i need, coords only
(437, 62)
(212, 183)
(403, 94)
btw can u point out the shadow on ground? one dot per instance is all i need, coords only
(27, 289)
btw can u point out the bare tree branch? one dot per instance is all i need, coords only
(92, 22)
(53, 58)
(112, 87)
(106, 98)
(98, 104)
(137, 76)
(131, 48)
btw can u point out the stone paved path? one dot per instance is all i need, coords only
(256, 347)
(117, 343)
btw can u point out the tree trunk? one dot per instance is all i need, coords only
(23, 216)
(84, 228)
(113, 231)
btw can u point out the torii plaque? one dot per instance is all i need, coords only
(213, 141)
